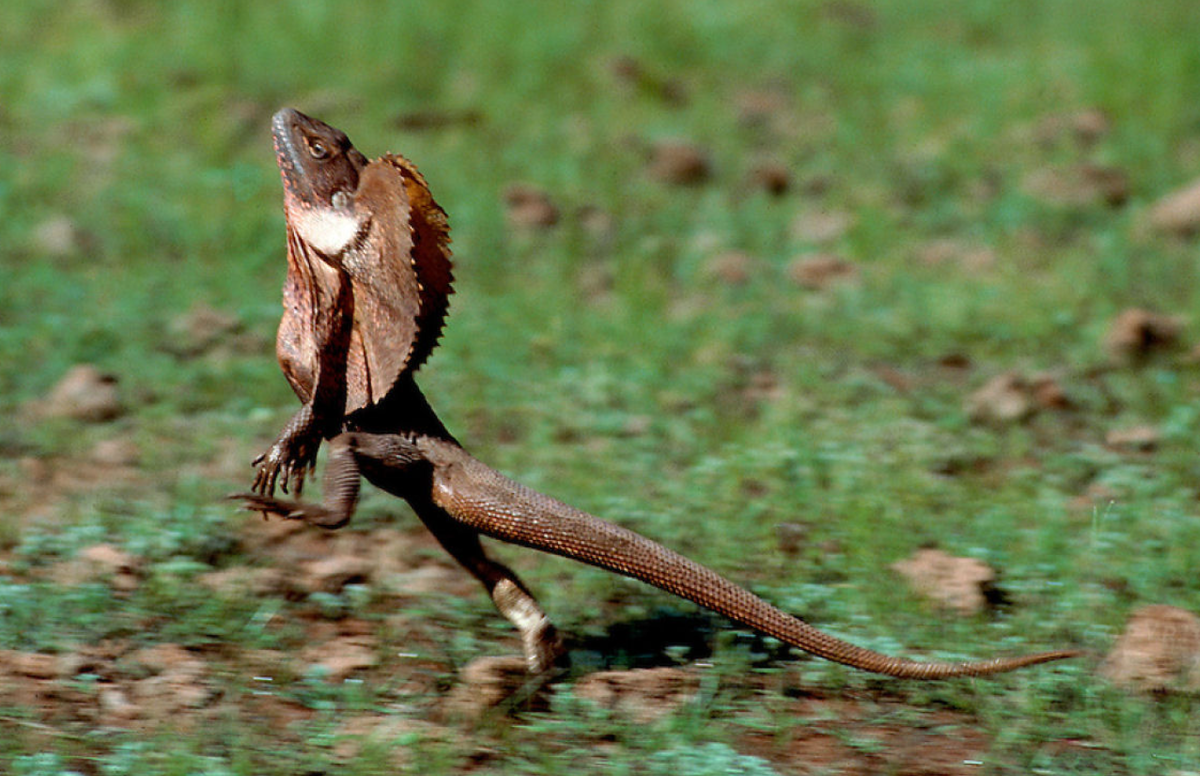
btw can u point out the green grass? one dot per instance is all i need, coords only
(145, 125)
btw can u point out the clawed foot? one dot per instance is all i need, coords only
(289, 509)
(288, 462)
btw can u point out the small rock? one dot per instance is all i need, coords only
(1159, 650)
(771, 177)
(1003, 399)
(733, 268)
(116, 452)
(821, 226)
(964, 585)
(485, 683)
(57, 236)
(1139, 438)
(528, 207)
(1178, 213)
(679, 163)
(83, 393)
(1136, 334)
(643, 694)
(819, 271)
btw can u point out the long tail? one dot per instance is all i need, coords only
(487, 501)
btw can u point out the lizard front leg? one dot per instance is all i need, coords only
(291, 457)
(341, 482)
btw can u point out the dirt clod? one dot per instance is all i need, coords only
(333, 573)
(821, 226)
(103, 562)
(757, 108)
(1142, 438)
(643, 694)
(963, 585)
(1012, 397)
(528, 207)
(238, 580)
(771, 177)
(1002, 399)
(1085, 127)
(84, 393)
(1159, 650)
(200, 329)
(32, 664)
(338, 658)
(485, 683)
(819, 271)
(946, 251)
(732, 268)
(116, 452)
(1078, 186)
(1136, 334)
(679, 163)
(1178, 213)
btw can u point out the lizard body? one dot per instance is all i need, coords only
(368, 283)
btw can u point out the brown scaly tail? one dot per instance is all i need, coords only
(487, 501)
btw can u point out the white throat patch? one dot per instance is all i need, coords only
(327, 229)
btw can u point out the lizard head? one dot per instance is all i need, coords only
(320, 169)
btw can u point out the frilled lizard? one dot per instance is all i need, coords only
(367, 288)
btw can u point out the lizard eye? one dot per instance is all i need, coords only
(318, 149)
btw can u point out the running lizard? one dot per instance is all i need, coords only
(369, 277)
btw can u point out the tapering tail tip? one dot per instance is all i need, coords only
(908, 669)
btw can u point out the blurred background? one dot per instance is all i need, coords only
(797, 288)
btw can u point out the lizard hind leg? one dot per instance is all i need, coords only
(539, 639)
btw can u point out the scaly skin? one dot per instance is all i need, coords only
(395, 440)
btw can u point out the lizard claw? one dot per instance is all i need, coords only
(267, 505)
(288, 461)
(290, 510)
